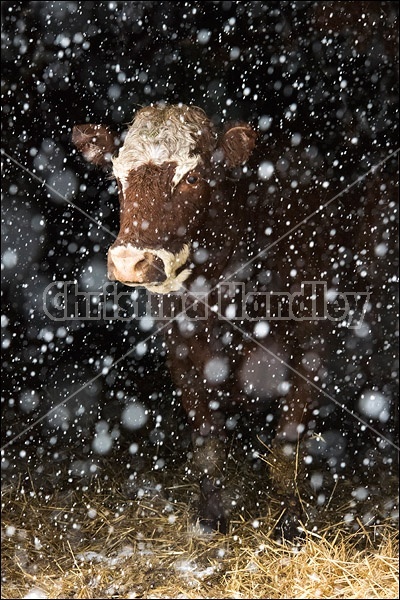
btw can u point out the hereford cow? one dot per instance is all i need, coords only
(186, 230)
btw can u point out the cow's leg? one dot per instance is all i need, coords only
(287, 456)
(209, 462)
(209, 459)
(209, 456)
(286, 459)
(208, 438)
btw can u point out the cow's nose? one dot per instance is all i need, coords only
(132, 266)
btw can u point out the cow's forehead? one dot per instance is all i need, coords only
(161, 135)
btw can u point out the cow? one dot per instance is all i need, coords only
(186, 233)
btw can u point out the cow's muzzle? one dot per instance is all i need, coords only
(157, 270)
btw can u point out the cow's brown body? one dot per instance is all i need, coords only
(184, 229)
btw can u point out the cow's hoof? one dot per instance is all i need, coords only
(211, 511)
(290, 527)
(214, 525)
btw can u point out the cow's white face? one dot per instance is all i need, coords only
(163, 171)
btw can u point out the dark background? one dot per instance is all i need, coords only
(321, 73)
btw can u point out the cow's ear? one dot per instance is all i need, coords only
(96, 142)
(237, 143)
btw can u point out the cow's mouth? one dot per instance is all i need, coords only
(182, 268)
(157, 270)
(172, 283)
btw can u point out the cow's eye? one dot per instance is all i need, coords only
(192, 179)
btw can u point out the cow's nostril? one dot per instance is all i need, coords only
(141, 266)
(149, 269)
(156, 271)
